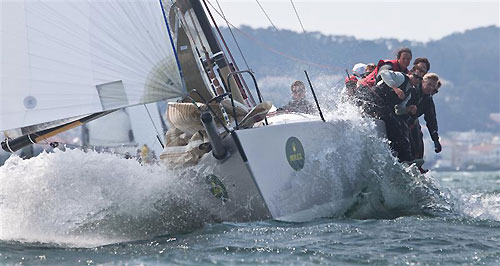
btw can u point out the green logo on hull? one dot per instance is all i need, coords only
(295, 153)
(217, 188)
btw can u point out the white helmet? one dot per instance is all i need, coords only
(359, 69)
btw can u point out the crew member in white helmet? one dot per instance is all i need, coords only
(351, 81)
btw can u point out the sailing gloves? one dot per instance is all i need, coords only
(437, 145)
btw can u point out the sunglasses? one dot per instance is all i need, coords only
(298, 91)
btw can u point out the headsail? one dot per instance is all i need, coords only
(66, 59)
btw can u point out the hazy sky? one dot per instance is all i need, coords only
(405, 19)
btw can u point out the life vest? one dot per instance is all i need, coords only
(371, 79)
(351, 78)
(351, 84)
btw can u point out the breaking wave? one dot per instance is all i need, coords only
(89, 199)
(482, 206)
(388, 189)
(391, 189)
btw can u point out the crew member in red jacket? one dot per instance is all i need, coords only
(400, 65)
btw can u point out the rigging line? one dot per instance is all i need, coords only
(273, 50)
(156, 129)
(266, 15)
(291, 57)
(297, 14)
(307, 41)
(232, 34)
(162, 120)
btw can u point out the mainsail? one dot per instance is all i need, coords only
(62, 59)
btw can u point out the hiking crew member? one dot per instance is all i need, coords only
(416, 135)
(423, 104)
(400, 65)
(393, 90)
(369, 69)
(422, 62)
(351, 81)
(364, 93)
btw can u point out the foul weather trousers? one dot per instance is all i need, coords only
(399, 135)
(416, 140)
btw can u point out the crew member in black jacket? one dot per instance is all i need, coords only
(422, 103)
(393, 91)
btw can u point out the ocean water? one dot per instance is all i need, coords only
(468, 234)
(103, 210)
(72, 208)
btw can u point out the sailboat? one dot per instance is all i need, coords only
(67, 63)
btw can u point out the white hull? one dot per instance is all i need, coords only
(261, 183)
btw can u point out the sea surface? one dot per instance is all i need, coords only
(42, 224)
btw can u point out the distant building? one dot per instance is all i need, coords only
(495, 117)
(469, 150)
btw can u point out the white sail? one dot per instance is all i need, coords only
(114, 129)
(62, 59)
